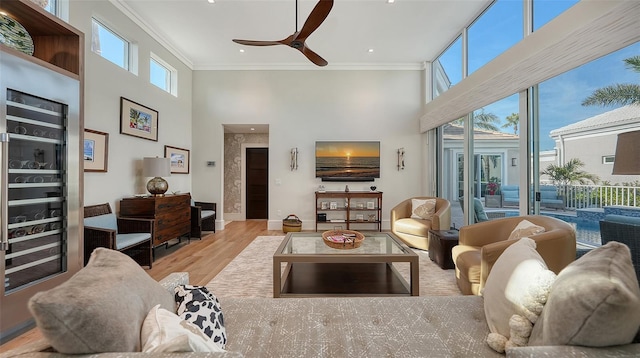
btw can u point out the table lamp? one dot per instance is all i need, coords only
(156, 168)
(627, 160)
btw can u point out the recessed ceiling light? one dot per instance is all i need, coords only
(370, 50)
(388, 1)
(242, 50)
(211, 1)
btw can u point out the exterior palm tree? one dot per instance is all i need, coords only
(569, 173)
(482, 120)
(620, 94)
(512, 122)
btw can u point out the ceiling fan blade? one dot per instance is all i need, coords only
(315, 19)
(313, 57)
(258, 43)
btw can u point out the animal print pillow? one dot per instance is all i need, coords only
(200, 307)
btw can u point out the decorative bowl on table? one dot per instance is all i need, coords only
(342, 239)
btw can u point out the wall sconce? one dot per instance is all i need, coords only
(156, 168)
(293, 162)
(514, 162)
(400, 159)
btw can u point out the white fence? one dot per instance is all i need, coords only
(598, 196)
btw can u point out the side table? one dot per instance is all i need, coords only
(440, 244)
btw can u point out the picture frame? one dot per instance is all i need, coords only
(333, 205)
(138, 120)
(324, 205)
(95, 151)
(371, 205)
(179, 159)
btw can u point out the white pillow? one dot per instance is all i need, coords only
(525, 228)
(164, 331)
(423, 209)
(518, 284)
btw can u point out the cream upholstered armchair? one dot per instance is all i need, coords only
(481, 244)
(415, 232)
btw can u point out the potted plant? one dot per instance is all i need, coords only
(492, 197)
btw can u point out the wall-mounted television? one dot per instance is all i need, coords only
(347, 160)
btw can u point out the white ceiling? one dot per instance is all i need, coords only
(404, 34)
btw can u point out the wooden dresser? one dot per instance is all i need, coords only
(172, 214)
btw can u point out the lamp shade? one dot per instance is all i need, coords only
(627, 160)
(156, 167)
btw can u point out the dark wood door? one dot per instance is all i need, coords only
(257, 181)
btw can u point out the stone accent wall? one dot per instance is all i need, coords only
(233, 168)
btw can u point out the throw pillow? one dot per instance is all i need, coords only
(164, 331)
(518, 284)
(200, 307)
(423, 209)
(101, 308)
(595, 301)
(525, 228)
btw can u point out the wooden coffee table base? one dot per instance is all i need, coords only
(343, 279)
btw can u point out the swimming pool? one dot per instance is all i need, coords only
(587, 231)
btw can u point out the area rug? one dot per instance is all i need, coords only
(250, 274)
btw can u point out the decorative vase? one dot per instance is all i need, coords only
(14, 35)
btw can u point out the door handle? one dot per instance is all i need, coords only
(4, 191)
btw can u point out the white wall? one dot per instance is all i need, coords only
(300, 108)
(105, 83)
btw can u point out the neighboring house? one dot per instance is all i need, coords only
(593, 141)
(494, 151)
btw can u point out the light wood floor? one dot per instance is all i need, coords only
(203, 259)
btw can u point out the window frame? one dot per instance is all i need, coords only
(128, 48)
(171, 80)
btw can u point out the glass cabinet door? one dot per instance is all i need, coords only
(36, 206)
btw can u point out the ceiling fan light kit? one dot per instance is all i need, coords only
(298, 38)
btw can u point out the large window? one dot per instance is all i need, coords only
(447, 69)
(499, 28)
(109, 45)
(546, 10)
(571, 131)
(162, 75)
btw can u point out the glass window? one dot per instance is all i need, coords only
(495, 31)
(546, 10)
(162, 74)
(109, 45)
(608, 159)
(50, 5)
(447, 68)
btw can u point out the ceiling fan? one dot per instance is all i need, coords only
(297, 40)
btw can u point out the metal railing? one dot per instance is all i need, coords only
(598, 196)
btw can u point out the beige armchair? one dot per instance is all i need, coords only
(481, 244)
(415, 232)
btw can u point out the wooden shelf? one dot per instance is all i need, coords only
(348, 213)
(56, 43)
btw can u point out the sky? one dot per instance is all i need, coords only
(560, 97)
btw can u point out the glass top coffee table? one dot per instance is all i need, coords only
(304, 266)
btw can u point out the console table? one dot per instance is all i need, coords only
(171, 213)
(351, 208)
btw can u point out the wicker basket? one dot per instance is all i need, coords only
(348, 244)
(291, 224)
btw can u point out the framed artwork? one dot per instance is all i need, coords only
(179, 159)
(137, 120)
(95, 151)
(333, 205)
(371, 205)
